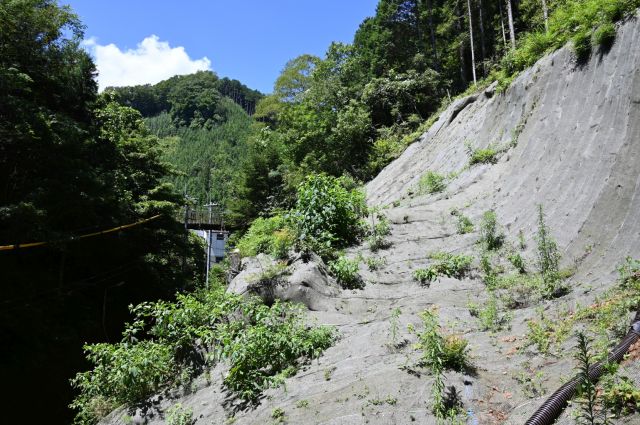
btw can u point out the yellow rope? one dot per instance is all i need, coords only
(88, 235)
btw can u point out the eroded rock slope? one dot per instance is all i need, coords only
(570, 140)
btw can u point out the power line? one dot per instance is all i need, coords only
(75, 238)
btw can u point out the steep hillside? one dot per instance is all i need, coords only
(566, 136)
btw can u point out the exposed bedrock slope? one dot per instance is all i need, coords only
(577, 152)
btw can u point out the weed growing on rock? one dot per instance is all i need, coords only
(464, 224)
(489, 315)
(586, 391)
(604, 35)
(621, 396)
(518, 262)
(375, 263)
(178, 415)
(278, 415)
(490, 235)
(441, 353)
(346, 272)
(629, 272)
(378, 232)
(488, 155)
(446, 264)
(302, 404)
(431, 182)
(394, 326)
(548, 256)
(582, 44)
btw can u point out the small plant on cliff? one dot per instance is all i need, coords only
(178, 415)
(346, 272)
(378, 232)
(490, 236)
(548, 256)
(431, 182)
(488, 155)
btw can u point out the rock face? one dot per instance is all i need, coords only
(569, 138)
(302, 280)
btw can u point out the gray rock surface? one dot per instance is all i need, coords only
(571, 139)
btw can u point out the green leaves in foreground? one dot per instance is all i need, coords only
(262, 345)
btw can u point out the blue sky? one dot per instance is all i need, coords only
(249, 40)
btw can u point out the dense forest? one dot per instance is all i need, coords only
(75, 163)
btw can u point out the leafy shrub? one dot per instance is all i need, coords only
(327, 215)
(446, 264)
(346, 272)
(488, 155)
(374, 263)
(268, 236)
(262, 345)
(622, 396)
(464, 224)
(582, 44)
(441, 351)
(604, 35)
(431, 182)
(548, 255)
(378, 232)
(629, 273)
(178, 415)
(489, 316)
(489, 234)
(424, 276)
(518, 262)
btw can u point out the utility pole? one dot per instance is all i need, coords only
(210, 205)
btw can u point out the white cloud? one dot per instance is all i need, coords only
(150, 62)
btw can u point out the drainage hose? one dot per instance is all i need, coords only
(555, 404)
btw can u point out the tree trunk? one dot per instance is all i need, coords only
(473, 57)
(512, 31)
(436, 63)
(463, 76)
(504, 35)
(482, 40)
(545, 12)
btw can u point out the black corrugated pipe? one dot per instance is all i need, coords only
(554, 405)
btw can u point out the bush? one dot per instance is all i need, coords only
(268, 236)
(178, 415)
(446, 264)
(488, 155)
(489, 234)
(629, 273)
(604, 35)
(346, 272)
(378, 232)
(518, 262)
(441, 351)
(548, 255)
(327, 215)
(262, 345)
(464, 224)
(431, 182)
(582, 44)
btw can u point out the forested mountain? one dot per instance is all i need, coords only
(91, 185)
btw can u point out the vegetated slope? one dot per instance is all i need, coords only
(566, 136)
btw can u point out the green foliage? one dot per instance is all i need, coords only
(604, 35)
(621, 396)
(374, 263)
(439, 351)
(262, 345)
(548, 255)
(378, 232)
(178, 415)
(267, 235)
(582, 44)
(327, 215)
(487, 155)
(489, 315)
(586, 389)
(278, 415)
(518, 262)
(490, 236)
(464, 224)
(629, 272)
(346, 272)
(445, 264)
(431, 182)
